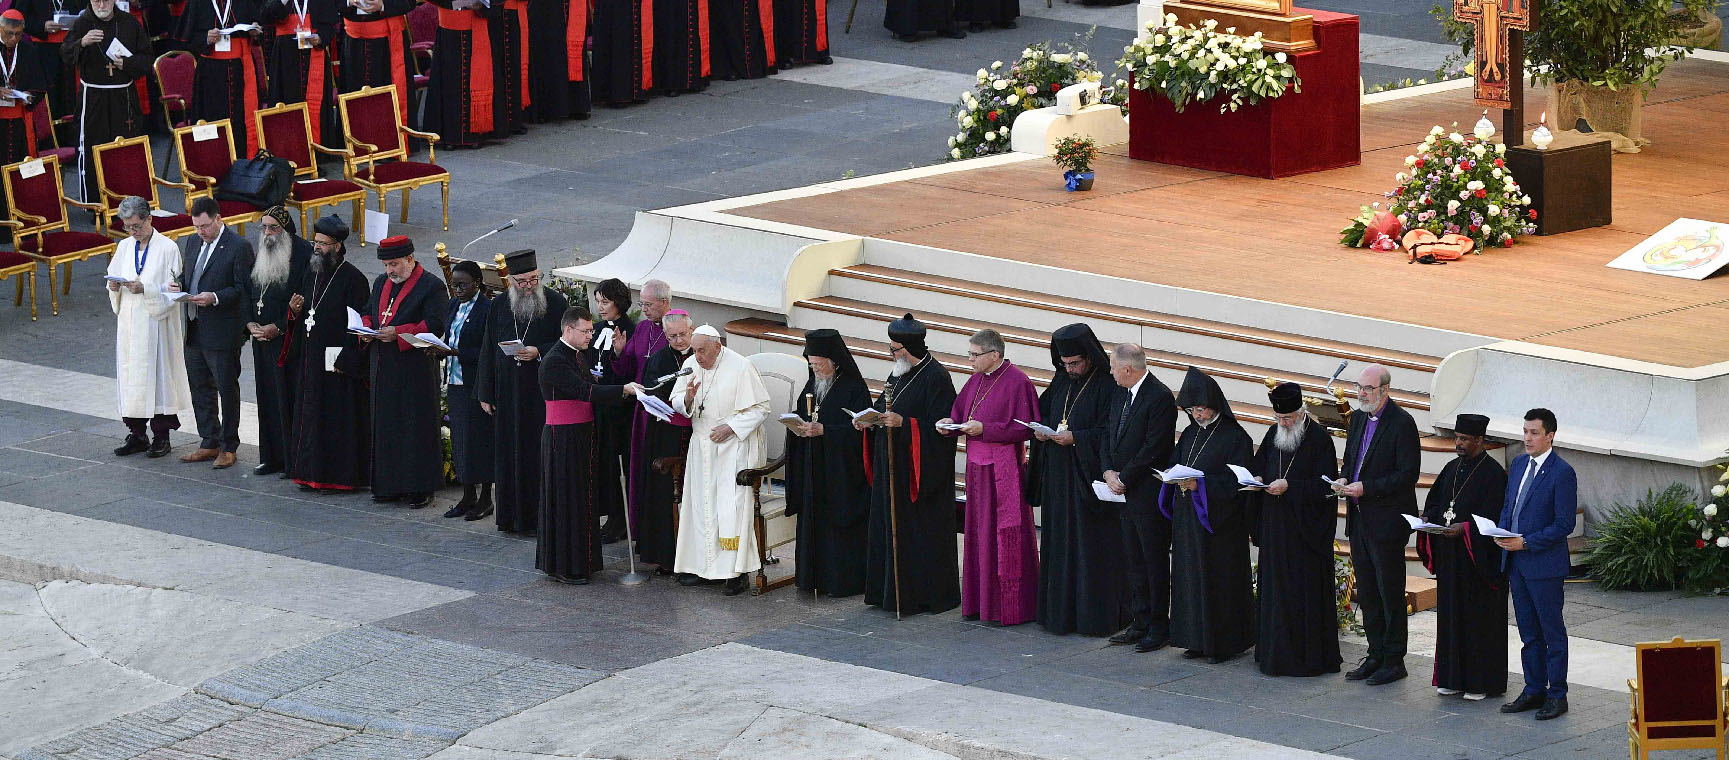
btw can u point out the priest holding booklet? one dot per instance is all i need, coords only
(1471, 614)
(1212, 599)
(406, 299)
(519, 333)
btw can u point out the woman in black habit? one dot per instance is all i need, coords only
(1212, 599)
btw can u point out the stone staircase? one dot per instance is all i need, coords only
(860, 300)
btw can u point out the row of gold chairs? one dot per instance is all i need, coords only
(375, 159)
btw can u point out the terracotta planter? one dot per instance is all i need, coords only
(1604, 109)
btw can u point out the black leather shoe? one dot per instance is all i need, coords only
(457, 511)
(1552, 709)
(284, 475)
(265, 468)
(570, 580)
(953, 34)
(159, 448)
(1128, 635)
(1388, 673)
(736, 586)
(419, 500)
(1364, 669)
(1193, 654)
(689, 579)
(1151, 643)
(609, 538)
(1523, 703)
(132, 445)
(481, 511)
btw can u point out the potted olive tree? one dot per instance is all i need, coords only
(1075, 155)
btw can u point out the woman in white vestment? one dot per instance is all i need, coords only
(149, 334)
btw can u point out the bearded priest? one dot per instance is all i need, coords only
(727, 404)
(331, 443)
(508, 388)
(1299, 629)
(278, 270)
(825, 475)
(406, 300)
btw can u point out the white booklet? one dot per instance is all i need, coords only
(113, 278)
(1178, 472)
(950, 427)
(868, 416)
(791, 421)
(603, 341)
(1425, 526)
(1246, 478)
(654, 406)
(510, 347)
(1488, 528)
(425, 340)
(356, 325)
(1102, 491)
(1038, 427)
(118, 52)
(175, 295)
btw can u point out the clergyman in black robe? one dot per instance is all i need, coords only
(656, 539)
(375, 48)
(23, 67)
(297, 64)
(801, 32)
(978, 13)
(510, 387)
(278, 272)
(1081, 557)
(108, 105)
(46, 34)
(612, 424)
(743, 35)
(227, 83)
(567, 547)
(907, 18)
(331, 448)
(912, 561)
(463, 103)
(681, 46)
(558, 74)
(1212, 596)
(1471, 614)
(621, 69)
(1299, 623)
(407, 459)
(825, 479)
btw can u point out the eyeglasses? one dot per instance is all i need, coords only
(524, 282)
(138, 226)
(1367, 388)
(270, 228)
(977, 354)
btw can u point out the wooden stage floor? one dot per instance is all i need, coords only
(1274, 240)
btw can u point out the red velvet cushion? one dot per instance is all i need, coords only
(1681, 732)
(285, 136)
(211, 158)
(372, 120)
(398, 171)
(9, 259)
(60, 243)
(311, 191)
(1678, 683)
(126, 170)
(173, 223)
(39, 195)
(236, 208)
(175, 72)
(63, 154)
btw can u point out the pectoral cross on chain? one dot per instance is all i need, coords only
(1499, 57)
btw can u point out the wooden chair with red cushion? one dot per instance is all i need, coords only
(285, 129)
(124, 168)
(37, 205)
(175, 71)
(380, 142)
(203, 162)
(15, 264)
(1678, 701)
(47, 125)
(422, 33)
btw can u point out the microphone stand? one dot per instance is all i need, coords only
(507, 225)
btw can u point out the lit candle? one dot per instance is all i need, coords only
(1541, 136)
(1484, 128)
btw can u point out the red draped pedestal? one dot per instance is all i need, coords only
(1318, 128)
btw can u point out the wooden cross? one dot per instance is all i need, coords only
(1500, 58)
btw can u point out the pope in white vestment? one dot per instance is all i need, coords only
(716, 527)
(150, 336)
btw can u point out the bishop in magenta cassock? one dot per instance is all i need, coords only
(629, 362)
(654, 512)
(1000, 568)
(407, 460)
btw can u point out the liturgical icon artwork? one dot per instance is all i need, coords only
(1690, 248)
(1496, 72)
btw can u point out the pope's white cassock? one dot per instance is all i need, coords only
(150, 334)
(716, 536)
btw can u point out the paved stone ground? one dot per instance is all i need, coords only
(168, 611)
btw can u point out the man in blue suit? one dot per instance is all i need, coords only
(1541, 503)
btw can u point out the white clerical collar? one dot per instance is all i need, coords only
(567, 344)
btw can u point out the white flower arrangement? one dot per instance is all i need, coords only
(1195, 64)
(1006, 90)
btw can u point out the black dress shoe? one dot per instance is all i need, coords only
(1524, 703)
(736, 586)
(481, 511)
(1552, 709)
(570, 580)
(456, 511)
(1151, 643)
(132, 445)
(1128, 635)
(419, 500)
(975, 27)
(953, 34)
(159, 448)
(1388, 673)
(690, 579)
(265, 468)
(1364, 669)
(1193, 654)
(1220, 658)
(284, 475)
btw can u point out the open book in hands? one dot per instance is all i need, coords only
(1246, 478)
(792, 421)
(1488, 528)
(866, 417)
(1038, 427)
(1425, 526)
(1179, 472)
(357, 325)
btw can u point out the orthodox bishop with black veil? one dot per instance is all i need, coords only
(655, 509)
(1471, 614)
(567, 544)
(825, 475)
(108, 105)
(1299, 629)
(1212, 596)
(510, 387)
(330, 448)
(1081, 565)
(406, 299)
(911, 562)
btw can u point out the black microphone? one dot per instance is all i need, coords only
(507, 225)
(664, 379)
(1335, 376)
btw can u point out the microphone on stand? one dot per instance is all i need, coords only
(1335, 376)
(664, 379)
(507, 225)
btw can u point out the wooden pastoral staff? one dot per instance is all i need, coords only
(1311, 130)
(1567, 175)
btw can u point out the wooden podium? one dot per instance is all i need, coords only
(1282, 30)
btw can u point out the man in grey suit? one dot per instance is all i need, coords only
(217, 265)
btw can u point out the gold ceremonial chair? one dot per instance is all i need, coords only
(785, 376)
(204, 161)
(124, 168)
(374, 133)
(494, 276)
(1678, 700)
(37, 205)
(15, 264)
(285, 129)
